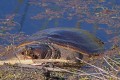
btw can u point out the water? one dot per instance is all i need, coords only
(20, 18)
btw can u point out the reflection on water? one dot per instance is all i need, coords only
(21, 18)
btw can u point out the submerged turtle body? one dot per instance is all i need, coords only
(62, 43)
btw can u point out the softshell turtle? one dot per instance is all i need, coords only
(63, 44)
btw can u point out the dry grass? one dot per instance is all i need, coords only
(103, 68)
(10, 72)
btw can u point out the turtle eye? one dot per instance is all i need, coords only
(23, 53)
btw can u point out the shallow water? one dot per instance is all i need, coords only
(20, 18)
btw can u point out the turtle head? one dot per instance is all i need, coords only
(40, 51)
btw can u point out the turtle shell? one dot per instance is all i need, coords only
(75, 39)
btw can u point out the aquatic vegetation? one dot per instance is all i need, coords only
(90, 11)
(8, 38)
(10, 31)
(51, 12)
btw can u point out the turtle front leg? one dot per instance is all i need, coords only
(73, 57)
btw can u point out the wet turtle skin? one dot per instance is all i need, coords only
(62, 43)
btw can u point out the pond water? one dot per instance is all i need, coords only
(21, 18)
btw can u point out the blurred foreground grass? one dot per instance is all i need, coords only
(10, 72)
(105, 68)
